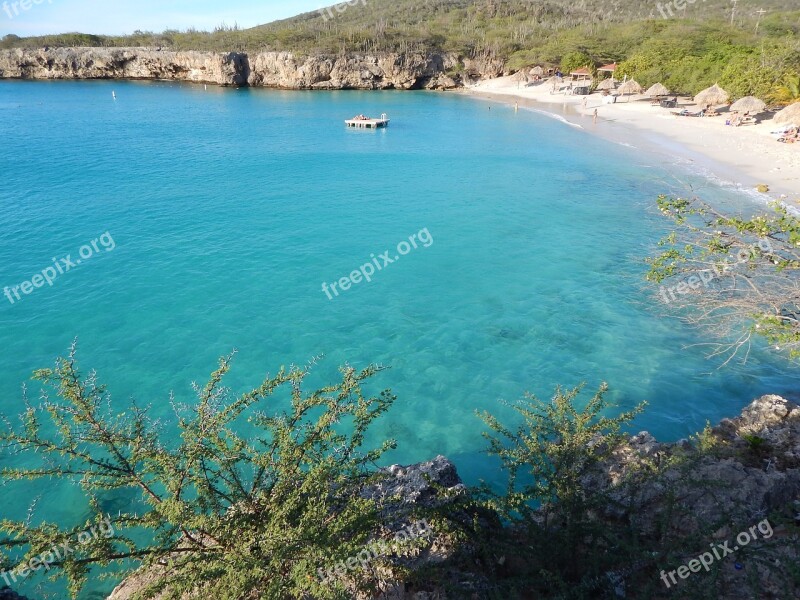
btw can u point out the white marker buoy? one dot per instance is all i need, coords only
(114, 95)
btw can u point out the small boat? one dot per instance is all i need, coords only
(363, 122)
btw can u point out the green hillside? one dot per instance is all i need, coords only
(747, 51)
(470, 27)
(499, 26)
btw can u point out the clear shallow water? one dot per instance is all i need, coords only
(229, 208)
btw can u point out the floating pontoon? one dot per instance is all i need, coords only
(363, 122)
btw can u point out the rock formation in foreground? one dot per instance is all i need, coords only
(285, 70)
(742, 471)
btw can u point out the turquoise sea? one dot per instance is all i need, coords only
(228, 209)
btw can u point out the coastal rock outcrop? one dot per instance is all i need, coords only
(732, 476)
(727, 479)
(124, 63)
(266, 69)
(752, 462)
(426, 485)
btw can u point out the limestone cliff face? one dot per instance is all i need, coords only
(267, 69)
(124, 63)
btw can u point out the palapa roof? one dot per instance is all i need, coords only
(630, 87)
(789, 115)
(537, 71)
(607, 84)
(658, 89)
(521, 75)
(609, 68)
(714, 96)
(582, 71)
(748, 104)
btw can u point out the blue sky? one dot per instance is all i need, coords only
(126, 16)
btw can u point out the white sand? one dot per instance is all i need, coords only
(744, 156)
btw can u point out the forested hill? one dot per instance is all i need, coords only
(746, 51)
(469, 27)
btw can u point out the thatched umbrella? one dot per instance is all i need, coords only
(607, 84)
(749, 104)
(630, 87)
(521, 75)
(789, 115)
(713, 96)
(659, 89)
(537, 71)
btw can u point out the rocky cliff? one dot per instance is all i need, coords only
(268, 69)
(737, 474)
(742, 473)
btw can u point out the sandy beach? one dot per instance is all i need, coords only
(740, 156)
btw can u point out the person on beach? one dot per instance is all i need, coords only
(594, 118)
(790, 137)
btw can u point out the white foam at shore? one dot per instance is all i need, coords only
(749, 155)
(553, 115)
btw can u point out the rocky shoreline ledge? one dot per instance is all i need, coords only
(284, 70)
(739, 473)
(752, 473)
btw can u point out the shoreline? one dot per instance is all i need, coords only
(737, 157)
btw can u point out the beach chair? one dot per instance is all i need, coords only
(686, 113)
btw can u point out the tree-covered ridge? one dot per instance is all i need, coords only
(498, 26)
(469, 27)
(751, 54)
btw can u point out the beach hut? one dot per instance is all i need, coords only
(748, 104)
(607, 85)
(630, 87)
(789, 115)
(610, 69)
(713, 96)
(659, 89)
(581, 74)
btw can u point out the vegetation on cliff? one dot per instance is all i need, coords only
(224, 511)
(736, 277)
(704, 44)
(272, 513)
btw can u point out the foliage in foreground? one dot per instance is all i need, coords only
(234, 515)
(552, 460)
(224, 511)
(594, 518)
(735, 276)
(241, 518)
